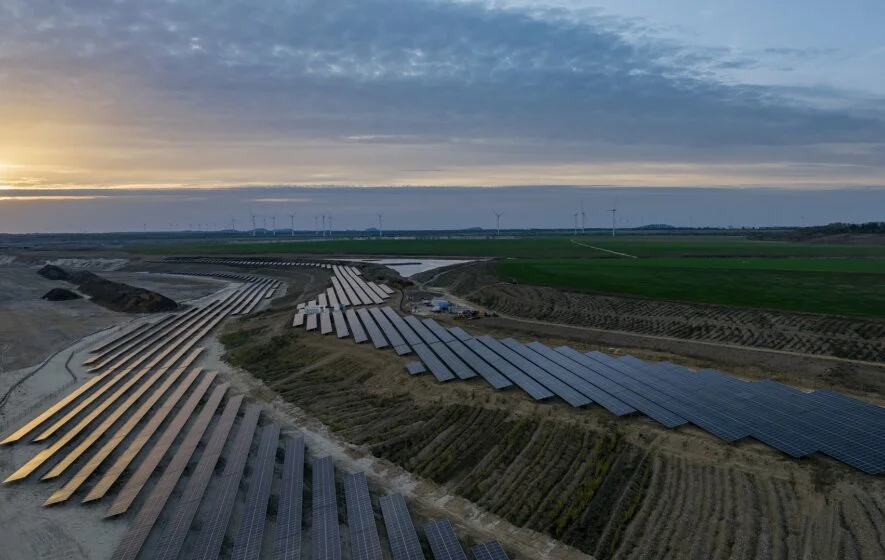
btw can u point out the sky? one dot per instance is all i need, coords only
(113, 112)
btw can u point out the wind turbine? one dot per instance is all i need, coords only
(614, 211)
(576, 223)
(583, 216)
(330, 224)
(292, 216)
(253, 222)
(380, 225)
(497, 222)
(273, 220)
(233, 224)
(264, 225)
(323, 216)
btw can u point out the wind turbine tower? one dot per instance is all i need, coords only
(330, 224)
(380, 225)
(583, 217)
(613, 211)
(273, 221)
(292, 217)
(497, 222)
(323, 216)
(253, 223)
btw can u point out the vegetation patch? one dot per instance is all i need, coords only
(839, 287)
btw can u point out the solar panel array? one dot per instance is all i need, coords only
(325, 536)
(489, 550)
(287, 538)
(792, 421)
(214, 528)
(247, 544)
(364, 542)
(443, 541)
(404, 543)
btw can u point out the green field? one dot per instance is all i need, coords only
(533, 247)
(837, 286)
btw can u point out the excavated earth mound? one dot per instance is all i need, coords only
(61, 294)
(113, 295)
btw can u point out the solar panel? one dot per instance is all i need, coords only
(287, 537)
(479, 365)
(414, 368)
(323, 300)
(419, 328)
(104, 484)
(514, 374)
(402, 350)
(343, 298)
(410, 336)
(130, 546)
(550, 367)
(374, 332)
(452, 361)
(443, 541)
(401, 533)
(215, 526)
(489, 550)
(86, 470)
(532, 371)
(438, 330)
(359, 335)
(391, 333)
(312, 321)
(595, 386)
(116, 414)
(377, 289)
(299, 320)
(53, 410)
(137, 481)
(387, 289)
(437, 368)
(638, 395)
(333, 299)
(340, 325)
(364, 542)
(325, 323)
(325, 536)
(247, 545)
(460, 333)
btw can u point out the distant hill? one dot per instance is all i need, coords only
(656, 227)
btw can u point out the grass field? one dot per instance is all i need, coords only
(837, 286)
(534, 247)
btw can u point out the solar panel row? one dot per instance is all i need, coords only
(410, 336)
(401, 533)
(325, 322)
(364, 542)
(452, 361)
(389, 331)
(137, 481)
(130, 547)
(359, 335)
(443, 541)
(374, 332)
(490, 550)
(247, 544)
(325, 536)
(437, 368)
(95, 461)
(215, 526)
(287, 538)
(480, 366)
(113, 473)
(340, 325)
(508, 370)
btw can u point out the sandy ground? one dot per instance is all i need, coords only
(32, 328)
(69, 531)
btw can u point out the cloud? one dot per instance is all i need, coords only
(154, 80)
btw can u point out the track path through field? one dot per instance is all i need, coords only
(605, 250)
